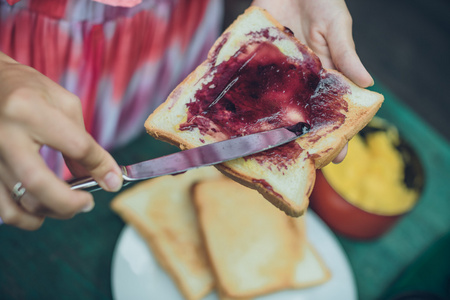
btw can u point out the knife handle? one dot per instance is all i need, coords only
(87, 184)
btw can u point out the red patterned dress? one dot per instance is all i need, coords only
(120, 57)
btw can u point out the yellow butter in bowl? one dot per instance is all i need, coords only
(371, 176)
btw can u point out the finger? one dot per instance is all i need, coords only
(53, 128)
(33, 205)
(340, 157)
(12, 214)
(316, 41)
(343, 54)
(50, 93)
(45, 193)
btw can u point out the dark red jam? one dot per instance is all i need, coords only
(267, 186)
(259, 88)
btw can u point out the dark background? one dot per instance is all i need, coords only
(405, 45)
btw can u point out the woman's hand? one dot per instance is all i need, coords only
(325, 26)
(35, 111)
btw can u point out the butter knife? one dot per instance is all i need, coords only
(207, 155)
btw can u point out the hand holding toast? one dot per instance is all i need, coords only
(35, 111)
(326, 27)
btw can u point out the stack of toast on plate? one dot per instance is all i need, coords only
(211, 233)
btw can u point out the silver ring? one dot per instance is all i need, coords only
(18, 191)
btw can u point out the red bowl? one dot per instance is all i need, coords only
(345, 218)
(351, 221)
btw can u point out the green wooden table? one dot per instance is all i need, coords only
(72, 259)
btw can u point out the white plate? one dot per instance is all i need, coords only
(136, 274)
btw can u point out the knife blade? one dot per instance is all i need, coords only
(207, 155)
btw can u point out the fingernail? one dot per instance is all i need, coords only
(88, 207)
(112, 181)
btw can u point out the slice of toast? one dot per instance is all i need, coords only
(258, 76)
(161, 211)
(253, 248)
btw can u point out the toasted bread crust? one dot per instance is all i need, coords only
(268, 194)
(138, 223)
(123, 206)
(254, 227)
(200, 197)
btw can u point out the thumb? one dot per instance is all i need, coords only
(343, 53)
(91, 159)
